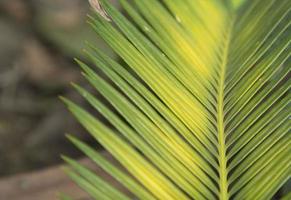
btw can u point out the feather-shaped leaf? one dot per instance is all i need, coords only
(200, 105)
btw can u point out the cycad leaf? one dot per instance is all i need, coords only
(200, 105)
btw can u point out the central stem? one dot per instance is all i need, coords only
(223, 183)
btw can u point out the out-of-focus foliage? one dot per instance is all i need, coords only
(35, 67)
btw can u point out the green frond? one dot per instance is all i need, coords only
(287, 196)
(199, 105)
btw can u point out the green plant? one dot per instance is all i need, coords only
(200, 105)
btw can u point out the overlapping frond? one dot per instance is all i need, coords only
(200, 105)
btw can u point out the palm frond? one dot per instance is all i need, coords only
(200, 107)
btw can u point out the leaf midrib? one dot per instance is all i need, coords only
(223, 172)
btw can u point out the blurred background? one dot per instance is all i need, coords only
(38, 40)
